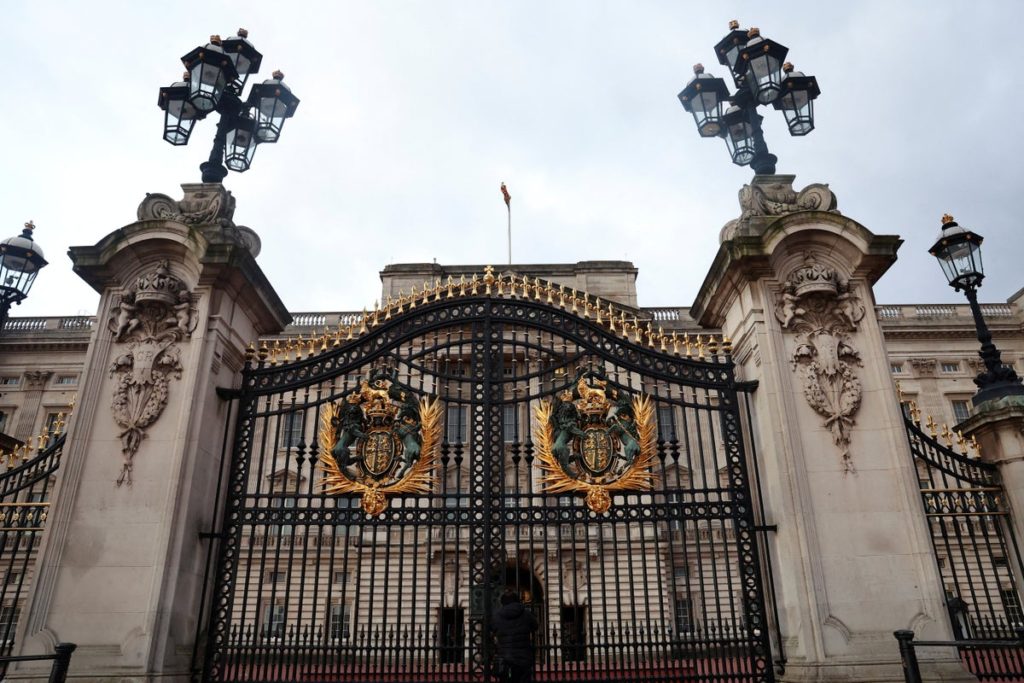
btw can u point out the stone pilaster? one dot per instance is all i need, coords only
(998, 427)
(122, 564)
(791, 285)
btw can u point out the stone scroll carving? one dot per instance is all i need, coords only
(818, 305)
(155, 313)
(207, 207)
(778, 199)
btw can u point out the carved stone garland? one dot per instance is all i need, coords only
(151, 316)
(817, 304)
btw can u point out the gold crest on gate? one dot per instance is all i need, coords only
(595, 438)
(381, 439)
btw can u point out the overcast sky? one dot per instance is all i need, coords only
(413, 113)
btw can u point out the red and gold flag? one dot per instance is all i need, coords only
(506, 195)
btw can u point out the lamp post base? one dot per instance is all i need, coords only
(213, 172)
(764, 164)
(998, 389)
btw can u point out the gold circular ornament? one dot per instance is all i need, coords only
(374, 502)
(598, 499)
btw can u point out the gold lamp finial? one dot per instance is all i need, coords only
(946, 218)
(734, 24)
(753, 32)
(698, 68)
(30, 225)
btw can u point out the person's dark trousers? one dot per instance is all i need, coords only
(515, 673)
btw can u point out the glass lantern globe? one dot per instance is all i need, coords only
(705, 97)
(180, 115)
(958, 252)
(272, 102)
(210, 70)
(240, 144)
(244, 56)
(739, 136)
(797, 100)
(763, 58)
(20, 262)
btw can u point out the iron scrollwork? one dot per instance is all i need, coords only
(381, 439)
(594, 439)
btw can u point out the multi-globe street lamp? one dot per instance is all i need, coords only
(761, 77)
(20, 262)
(959, 253)
(213, 82)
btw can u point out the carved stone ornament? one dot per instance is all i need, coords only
(818, 305)
(772, 196)
(37, 378)
(206, 206)
(151, 316)
(923, 367)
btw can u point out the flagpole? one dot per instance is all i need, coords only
(510, 234)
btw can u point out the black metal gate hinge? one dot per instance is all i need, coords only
(212, 534)
(766, 527)
(227, 394)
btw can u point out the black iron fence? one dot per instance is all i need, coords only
(1000, 661)
(974, 546)
(61, 659)
(26, 478)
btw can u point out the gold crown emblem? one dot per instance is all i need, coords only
(592, 400)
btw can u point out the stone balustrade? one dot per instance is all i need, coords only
(890, 312)
(669, 316)
(67, 322)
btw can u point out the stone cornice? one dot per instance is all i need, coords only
(747, 258)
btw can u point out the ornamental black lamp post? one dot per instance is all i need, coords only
(20, 261)
(761, 77)
(959, 253)
(213, 82)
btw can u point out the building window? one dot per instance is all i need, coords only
(684, 616)
(284, 504)
(511, 423)
(292, 427)
(338, 621)
(9, 381)
(13, 578)
(3, 420)
(276, 577)
(456, 424)
(666, 423)
(52, 419)
(273, 620)
(999, 561)
(681, 574)
(341, 577)
(65, 380)
(8, 623)
(950, 367)
(896, 368)
(961, 410)
(1011, 605)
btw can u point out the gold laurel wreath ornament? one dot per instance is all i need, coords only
(636, 477)
(419, 478)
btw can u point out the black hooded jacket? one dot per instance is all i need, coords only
(513, 624)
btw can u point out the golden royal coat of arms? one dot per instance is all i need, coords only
(380, 439)
(595, 439)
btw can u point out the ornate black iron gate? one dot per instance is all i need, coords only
(975, 548)
(624, 522)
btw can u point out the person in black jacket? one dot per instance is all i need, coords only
(514, 626)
